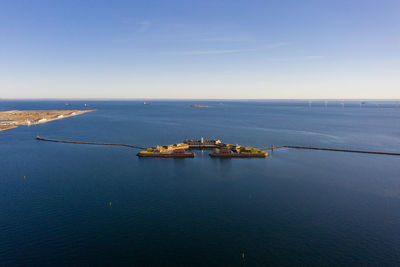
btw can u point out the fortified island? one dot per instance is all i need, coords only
(220, 150)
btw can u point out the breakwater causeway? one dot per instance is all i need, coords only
(334, 149)
(87, 143)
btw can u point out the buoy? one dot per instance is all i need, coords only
(243, 255)
(110, 203)
(24, 177)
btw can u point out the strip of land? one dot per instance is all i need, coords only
(12, 118)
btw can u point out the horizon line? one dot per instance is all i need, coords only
(206, 99)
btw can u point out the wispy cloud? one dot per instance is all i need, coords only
(142, 26)
(314, 57)
(276, 45)
(298, 58)
(227, 51)
(127, 21)
(219, 37)
(208, 52)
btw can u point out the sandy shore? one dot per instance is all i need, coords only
(12, 118)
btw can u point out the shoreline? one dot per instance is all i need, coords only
(13, 118)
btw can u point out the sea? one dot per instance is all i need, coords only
(87, 205)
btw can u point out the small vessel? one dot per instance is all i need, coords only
(146, 103)
(198, 106)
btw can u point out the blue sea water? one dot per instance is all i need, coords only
(98, 205)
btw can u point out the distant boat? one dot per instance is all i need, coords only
(198, 106)
(67, 104)
(146, 103)
(86, 105)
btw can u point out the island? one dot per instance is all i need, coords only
(199, 106)
(220, 150)
(177, 150)
(13, 118)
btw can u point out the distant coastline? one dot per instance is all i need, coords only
(13, 118)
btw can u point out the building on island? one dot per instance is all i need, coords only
(203, 143)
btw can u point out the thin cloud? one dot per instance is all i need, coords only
(209, 52)
(227, 51)
(301, 58)
(143, 26)
(314, 57)
(126, 21)
(276, 45)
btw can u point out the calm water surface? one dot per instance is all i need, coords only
(293, 208)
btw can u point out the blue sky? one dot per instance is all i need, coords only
(200, 49)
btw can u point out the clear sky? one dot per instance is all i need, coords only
(222, 49)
